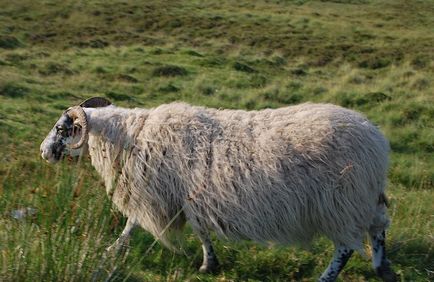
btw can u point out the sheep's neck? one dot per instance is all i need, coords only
(109, 140)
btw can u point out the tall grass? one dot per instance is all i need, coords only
(59, 233)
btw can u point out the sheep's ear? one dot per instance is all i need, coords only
(95, 102)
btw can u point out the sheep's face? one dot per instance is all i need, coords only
(54, 147)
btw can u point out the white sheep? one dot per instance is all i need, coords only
(282, 175)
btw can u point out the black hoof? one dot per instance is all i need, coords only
(211, 267)
(386, 273)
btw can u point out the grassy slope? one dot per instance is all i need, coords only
(373, 56)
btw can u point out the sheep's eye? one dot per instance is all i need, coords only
(60, 129)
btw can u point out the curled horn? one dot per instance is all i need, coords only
(78, 115)
(95, 102)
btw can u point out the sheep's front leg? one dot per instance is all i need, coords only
(341, 256)
(210, 262)
(122, 241)
(113, 251)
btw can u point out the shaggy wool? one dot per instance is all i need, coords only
(282, 175)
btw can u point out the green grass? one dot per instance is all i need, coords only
(373, 56)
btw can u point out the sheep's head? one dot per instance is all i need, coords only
(70, 132)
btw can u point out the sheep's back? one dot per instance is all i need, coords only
(289, 173)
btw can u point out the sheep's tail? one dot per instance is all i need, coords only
(381, 220)
(382, 200)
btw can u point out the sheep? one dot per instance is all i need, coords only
(277, 175)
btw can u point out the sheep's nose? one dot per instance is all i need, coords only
(43, 153)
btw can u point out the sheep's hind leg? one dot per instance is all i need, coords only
(210, 262)
(380, 262)
(341, 256)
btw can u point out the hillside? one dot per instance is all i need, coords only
(372, 56)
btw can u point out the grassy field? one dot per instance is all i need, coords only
(372, 56)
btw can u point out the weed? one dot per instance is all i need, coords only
(258, 81)
(207, 90)
(420, 61)
(126, 78)
(9, 42)
(168, 88)
(117, 96)
(212, 62)
(421, 84)
(55, 69)
(95, 43)
(298, 72)
(243, 67)
(100, 70)
(282, 97)
(169, 70)
(13, 90)
(194, 53)
(375, 63)
(16, 58)
(377, 97)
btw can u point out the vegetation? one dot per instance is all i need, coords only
(372, 56)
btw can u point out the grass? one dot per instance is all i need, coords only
(373, 56)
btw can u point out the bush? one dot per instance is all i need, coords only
(243, 67)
